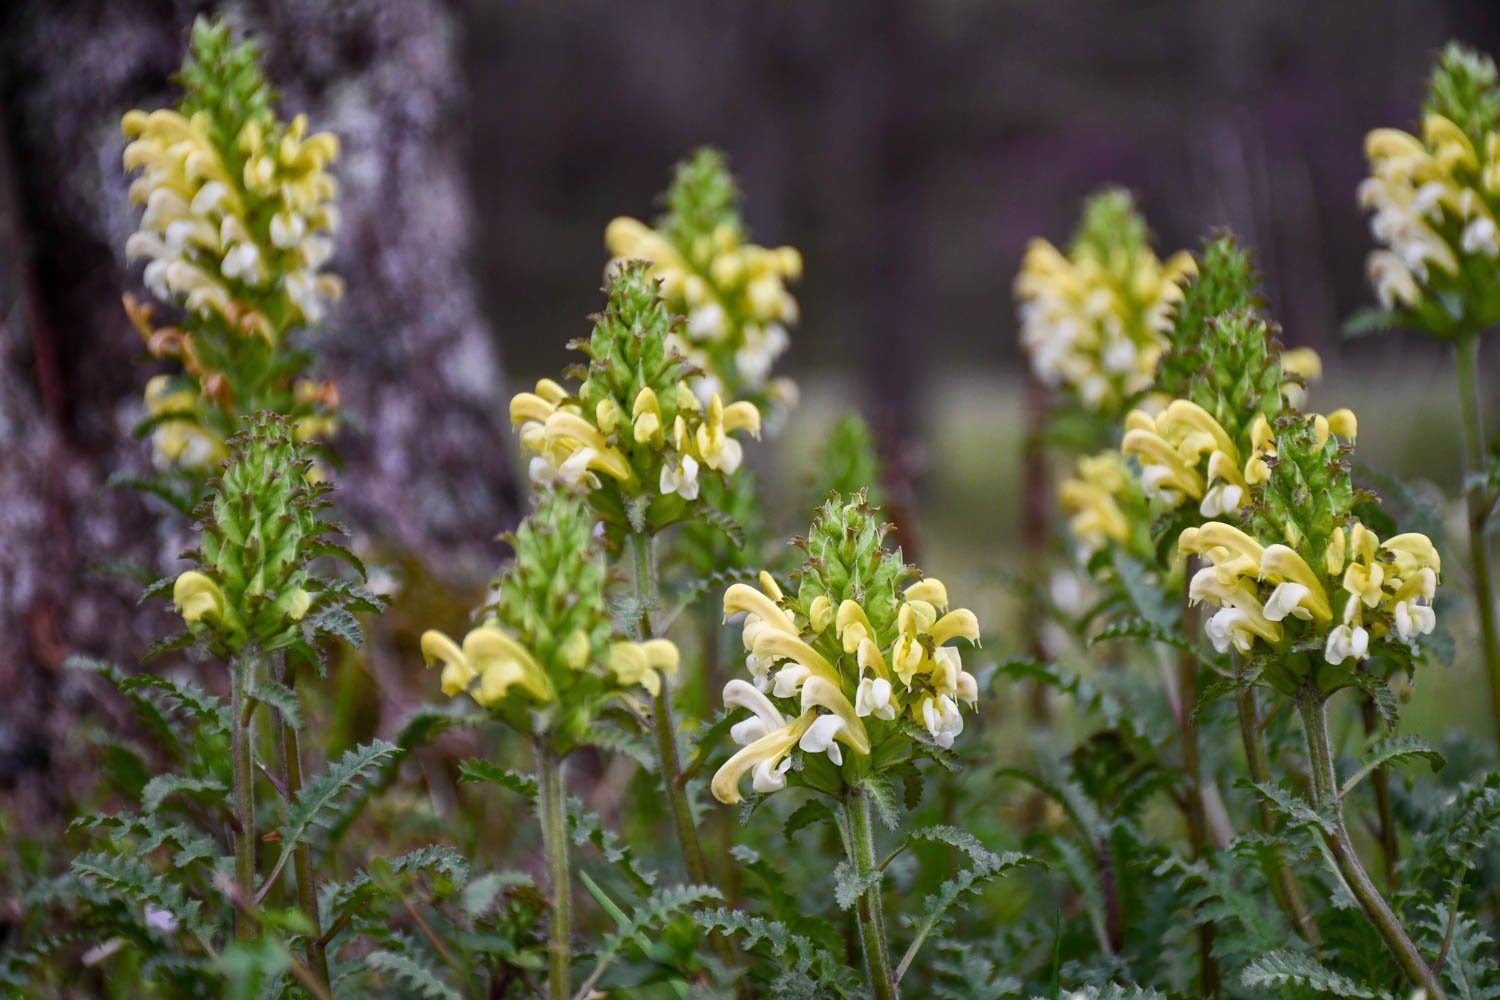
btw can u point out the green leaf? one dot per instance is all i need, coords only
(479, 895)
(281, 698)
(883, 797)
(163, 786)
(1277, 970)
(1140, 628)
(849, 884)
(179, 502)
(653, 914)
(333, 795)
(1397, 750)
(1292, 806)
(825, 968)
(810, 812)
(416, 978)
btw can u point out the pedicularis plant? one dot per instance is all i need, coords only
(1199, 795)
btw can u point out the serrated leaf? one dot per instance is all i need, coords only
(281, 698)
(163, 786)
(850, 884)
(1140, 628)
(1397, 750)
(326, 799)
(1277, 970)
(479, 895)
(417, 978)
(1292, 806)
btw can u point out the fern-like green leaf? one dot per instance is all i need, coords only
(1277, 970)
(330, 798)
(415, 977)
(1397, 750)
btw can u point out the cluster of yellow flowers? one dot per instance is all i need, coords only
(491, 662)
(570, 445)
(1096, 319)
(1090, 498)
(734, 297)
(241, 232)
(1185, 454)
(908, 672)
(1433, 199)
(1259, 589)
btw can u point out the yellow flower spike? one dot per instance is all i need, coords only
(197, 598)
(1343, 423)
(575, 652)
(645, 416)
(958, 624)
(852, 626)
(776, 645)
(1413, 551)
(820, 613)
(743, 597)
(764, 756)
(820, 693)
(458, 674)
(502, 662)
(1280, 564)
(930, 590)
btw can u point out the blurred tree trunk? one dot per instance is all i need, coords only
(427, 472)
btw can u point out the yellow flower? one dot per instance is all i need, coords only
(198, 599)
(493, 658)
(643, 663)
(1090, 501)
(178, 438)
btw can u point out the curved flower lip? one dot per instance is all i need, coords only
(1217, 534)
(787, 646)
(1186, 414)
(1281, 564)
(1153, 447)
(563, 425)
(766, 750)
(818, 692)
(850, 615)
(640, 662)
(743, 597)
(740, 416)
(526, 406)
(743, 694)
(457, 672)
(960, 623)
(500, 662)
(869, 657)
(1414, 550)
(198, 598)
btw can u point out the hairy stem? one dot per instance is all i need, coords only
(1325, 789)
(553, 798)
(242, 673)
(1472, 413)
(1284, 884)
(1187, 730)
(1380, 780)
(868, 909)
(643, 570)
(302, 867)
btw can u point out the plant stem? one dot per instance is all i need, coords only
(643, 573)
(643, 566)
(302, 867)
(868, 909)
(555, 841)
(242, 672)
(1380, 780)
(1285, 887)
(1325, 789)
(1187, 729)
(1472, 413)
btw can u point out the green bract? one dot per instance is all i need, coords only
(261, 526)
